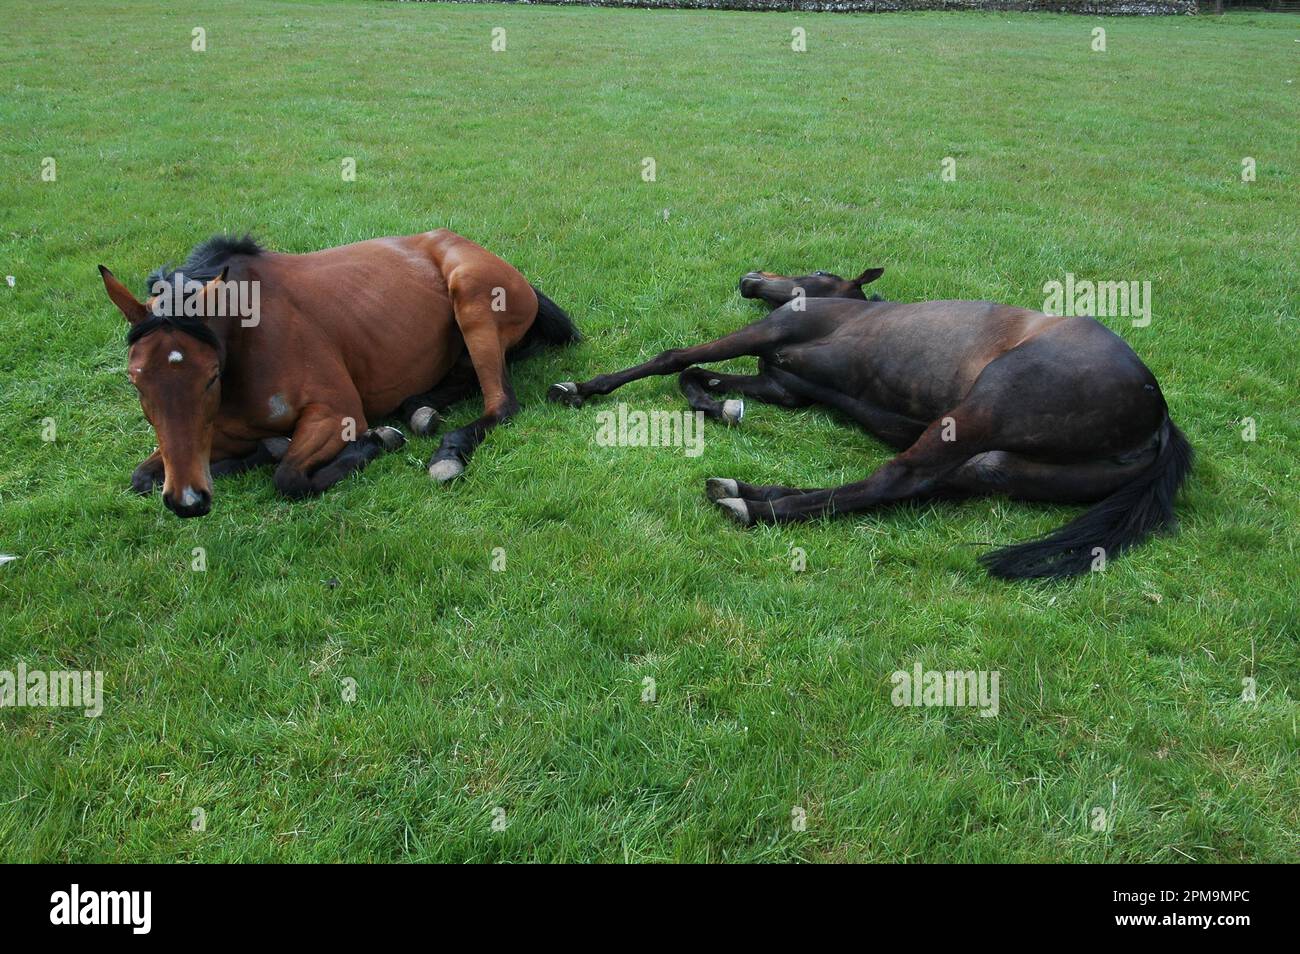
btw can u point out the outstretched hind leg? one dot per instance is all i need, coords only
(781, 387)
(918, 471)
(1022, 478)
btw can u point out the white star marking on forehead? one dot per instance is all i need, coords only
(175, 358)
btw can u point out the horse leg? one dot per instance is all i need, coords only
(421, 410)
(319, 455)
(992, 472)
(355, 455)
(487, 354)
(722, 488)
(698, 384)
(230, 455)
(148, 474)
(896, 430)
(1022, 478)
(230, 466)
(914, 473)
(226, 461)
(777, 328)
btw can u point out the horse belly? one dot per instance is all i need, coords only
(418, 357)
(395, 345)
(914, 382)
(378, 310)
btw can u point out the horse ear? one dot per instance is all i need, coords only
(125, 301)
(210, 289)
(869, 276)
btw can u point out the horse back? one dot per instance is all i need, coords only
(374, 315)
(915, 358)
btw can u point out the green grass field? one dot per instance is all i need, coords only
(516, 696)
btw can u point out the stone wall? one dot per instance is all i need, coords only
(1110, 7)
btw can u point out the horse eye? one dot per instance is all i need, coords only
(820, 274)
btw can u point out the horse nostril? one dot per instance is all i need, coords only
(193, 503)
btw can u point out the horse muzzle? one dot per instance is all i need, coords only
(190, 503)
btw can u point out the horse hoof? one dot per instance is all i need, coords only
(277, 447)
(718, 488)
(733, 411)
(566, 392)
(446, 469)
(736, 508)
(390, 437)
(425, 421)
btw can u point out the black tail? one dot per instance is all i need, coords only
(551, 327)
(1122, 520)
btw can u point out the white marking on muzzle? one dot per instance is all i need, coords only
(188, 497)
(175, 358)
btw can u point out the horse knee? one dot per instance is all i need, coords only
(674, 359)
(145, 478)
(292, 483)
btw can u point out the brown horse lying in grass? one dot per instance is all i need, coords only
(980, 398)
(341, 337)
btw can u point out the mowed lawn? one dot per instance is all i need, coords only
(506, 715)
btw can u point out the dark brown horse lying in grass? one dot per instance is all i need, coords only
(342, 337)
(981, 398)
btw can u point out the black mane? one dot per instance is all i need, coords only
(204, 263)
(206, 259)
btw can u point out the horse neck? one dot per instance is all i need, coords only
(229, 331)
